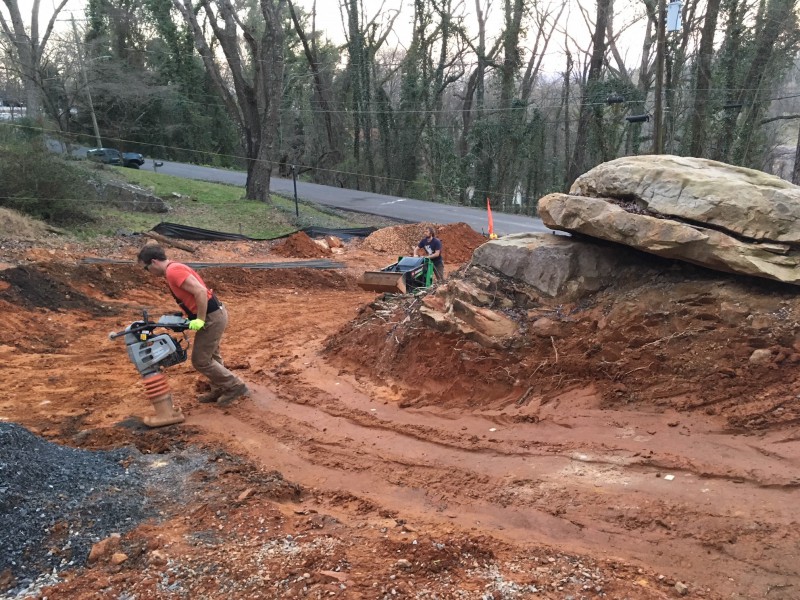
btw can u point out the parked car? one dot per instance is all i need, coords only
(134, 160)
(112, 156)
(107, 156)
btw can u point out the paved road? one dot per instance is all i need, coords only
(393, 207)
(406, 209)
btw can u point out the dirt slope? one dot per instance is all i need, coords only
(630, 450)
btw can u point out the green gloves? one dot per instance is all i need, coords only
(196, 324)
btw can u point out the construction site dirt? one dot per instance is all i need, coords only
(640, 448)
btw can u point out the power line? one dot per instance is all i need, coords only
(450, 189)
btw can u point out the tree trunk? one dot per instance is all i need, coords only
(251, 93)
(510, 120)
(567, 117)
(778, 16)
(29, 49)
(319, 89)
(796, 170)
(578, 163)
(703, 80)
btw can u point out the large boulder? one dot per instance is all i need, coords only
(555, 265)
(744, 202)
(602, 219)
(132, 197)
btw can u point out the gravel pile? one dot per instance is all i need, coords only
(56, 502)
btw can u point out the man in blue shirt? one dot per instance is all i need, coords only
(431, 246)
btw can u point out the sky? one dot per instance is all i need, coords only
(329, 20)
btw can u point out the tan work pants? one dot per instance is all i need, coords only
(205, 351)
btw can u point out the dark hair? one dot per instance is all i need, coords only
(150, 253)
(431, 230)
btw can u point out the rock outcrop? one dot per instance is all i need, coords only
(671, 239)
(700, 211)
(555, 265)
(743, 202)
(132, 198)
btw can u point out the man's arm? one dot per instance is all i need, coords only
(200, 293)
(436, 253)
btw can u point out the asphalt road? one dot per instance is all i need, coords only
(407, 209)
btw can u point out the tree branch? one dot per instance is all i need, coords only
(780, 118)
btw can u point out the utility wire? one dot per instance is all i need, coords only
(446, 188)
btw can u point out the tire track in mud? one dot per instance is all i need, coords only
(586, 504)
(578, 480)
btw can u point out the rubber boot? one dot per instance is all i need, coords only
(166, 414)
(211, 396)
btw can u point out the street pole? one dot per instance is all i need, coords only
(294, 182)
(661, 43)
(86, 83)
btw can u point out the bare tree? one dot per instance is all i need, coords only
(703, 79)
(796, 170)
(588, 111)
(332, 154)
(365, 38)
(425, 76)
(29, 48)
(250, 80)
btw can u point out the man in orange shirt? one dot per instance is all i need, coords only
(207, 317)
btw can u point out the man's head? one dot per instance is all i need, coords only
(153, 259)
(430, 232)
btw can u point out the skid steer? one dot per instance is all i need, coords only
(408, 274)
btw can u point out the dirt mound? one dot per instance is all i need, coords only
(299, 245)
(245, 280)
(688, 340)
(34, 287)
(459, 240)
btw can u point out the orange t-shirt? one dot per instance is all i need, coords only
(176, 274)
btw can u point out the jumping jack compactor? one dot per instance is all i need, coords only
(150, 353)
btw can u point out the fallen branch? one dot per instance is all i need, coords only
(675, 335)
(169, 242)
(636, 369)
(524, 398)
(552, 341)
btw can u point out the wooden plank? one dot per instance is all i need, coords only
(165, 240)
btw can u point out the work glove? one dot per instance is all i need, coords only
(196, 324)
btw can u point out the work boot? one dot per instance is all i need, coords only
(210, 397)
(229, 395)
(166, 414)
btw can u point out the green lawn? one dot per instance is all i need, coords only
(212, 206)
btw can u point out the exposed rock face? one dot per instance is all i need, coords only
(671, 239)
(448, 314)
(132, 197)
(556, 266)
(744, 202)
(700, 211)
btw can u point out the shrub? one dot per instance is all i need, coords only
(41, 184)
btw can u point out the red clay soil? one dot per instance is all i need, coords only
(627, 448)
(299, 245)
(459, 240)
